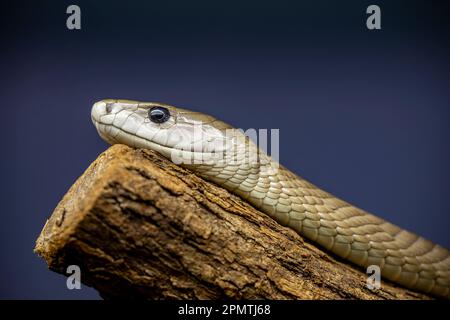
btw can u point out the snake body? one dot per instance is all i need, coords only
(244, 169)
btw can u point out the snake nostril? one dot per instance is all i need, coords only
(108, 108)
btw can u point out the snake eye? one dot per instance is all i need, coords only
(159, 114)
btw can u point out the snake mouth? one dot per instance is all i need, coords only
(176, 155)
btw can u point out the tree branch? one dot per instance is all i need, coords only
(140, 227)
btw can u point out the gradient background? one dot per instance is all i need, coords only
(363, 114)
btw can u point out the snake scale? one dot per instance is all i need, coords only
(244, 169)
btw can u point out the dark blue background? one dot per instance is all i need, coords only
(363, 114)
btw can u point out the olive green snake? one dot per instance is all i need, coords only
(224, 155)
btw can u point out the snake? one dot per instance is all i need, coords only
(226, 156)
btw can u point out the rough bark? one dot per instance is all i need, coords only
(141, 227)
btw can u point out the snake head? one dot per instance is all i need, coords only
(172, 131)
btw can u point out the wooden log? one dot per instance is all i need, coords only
(140, 227)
